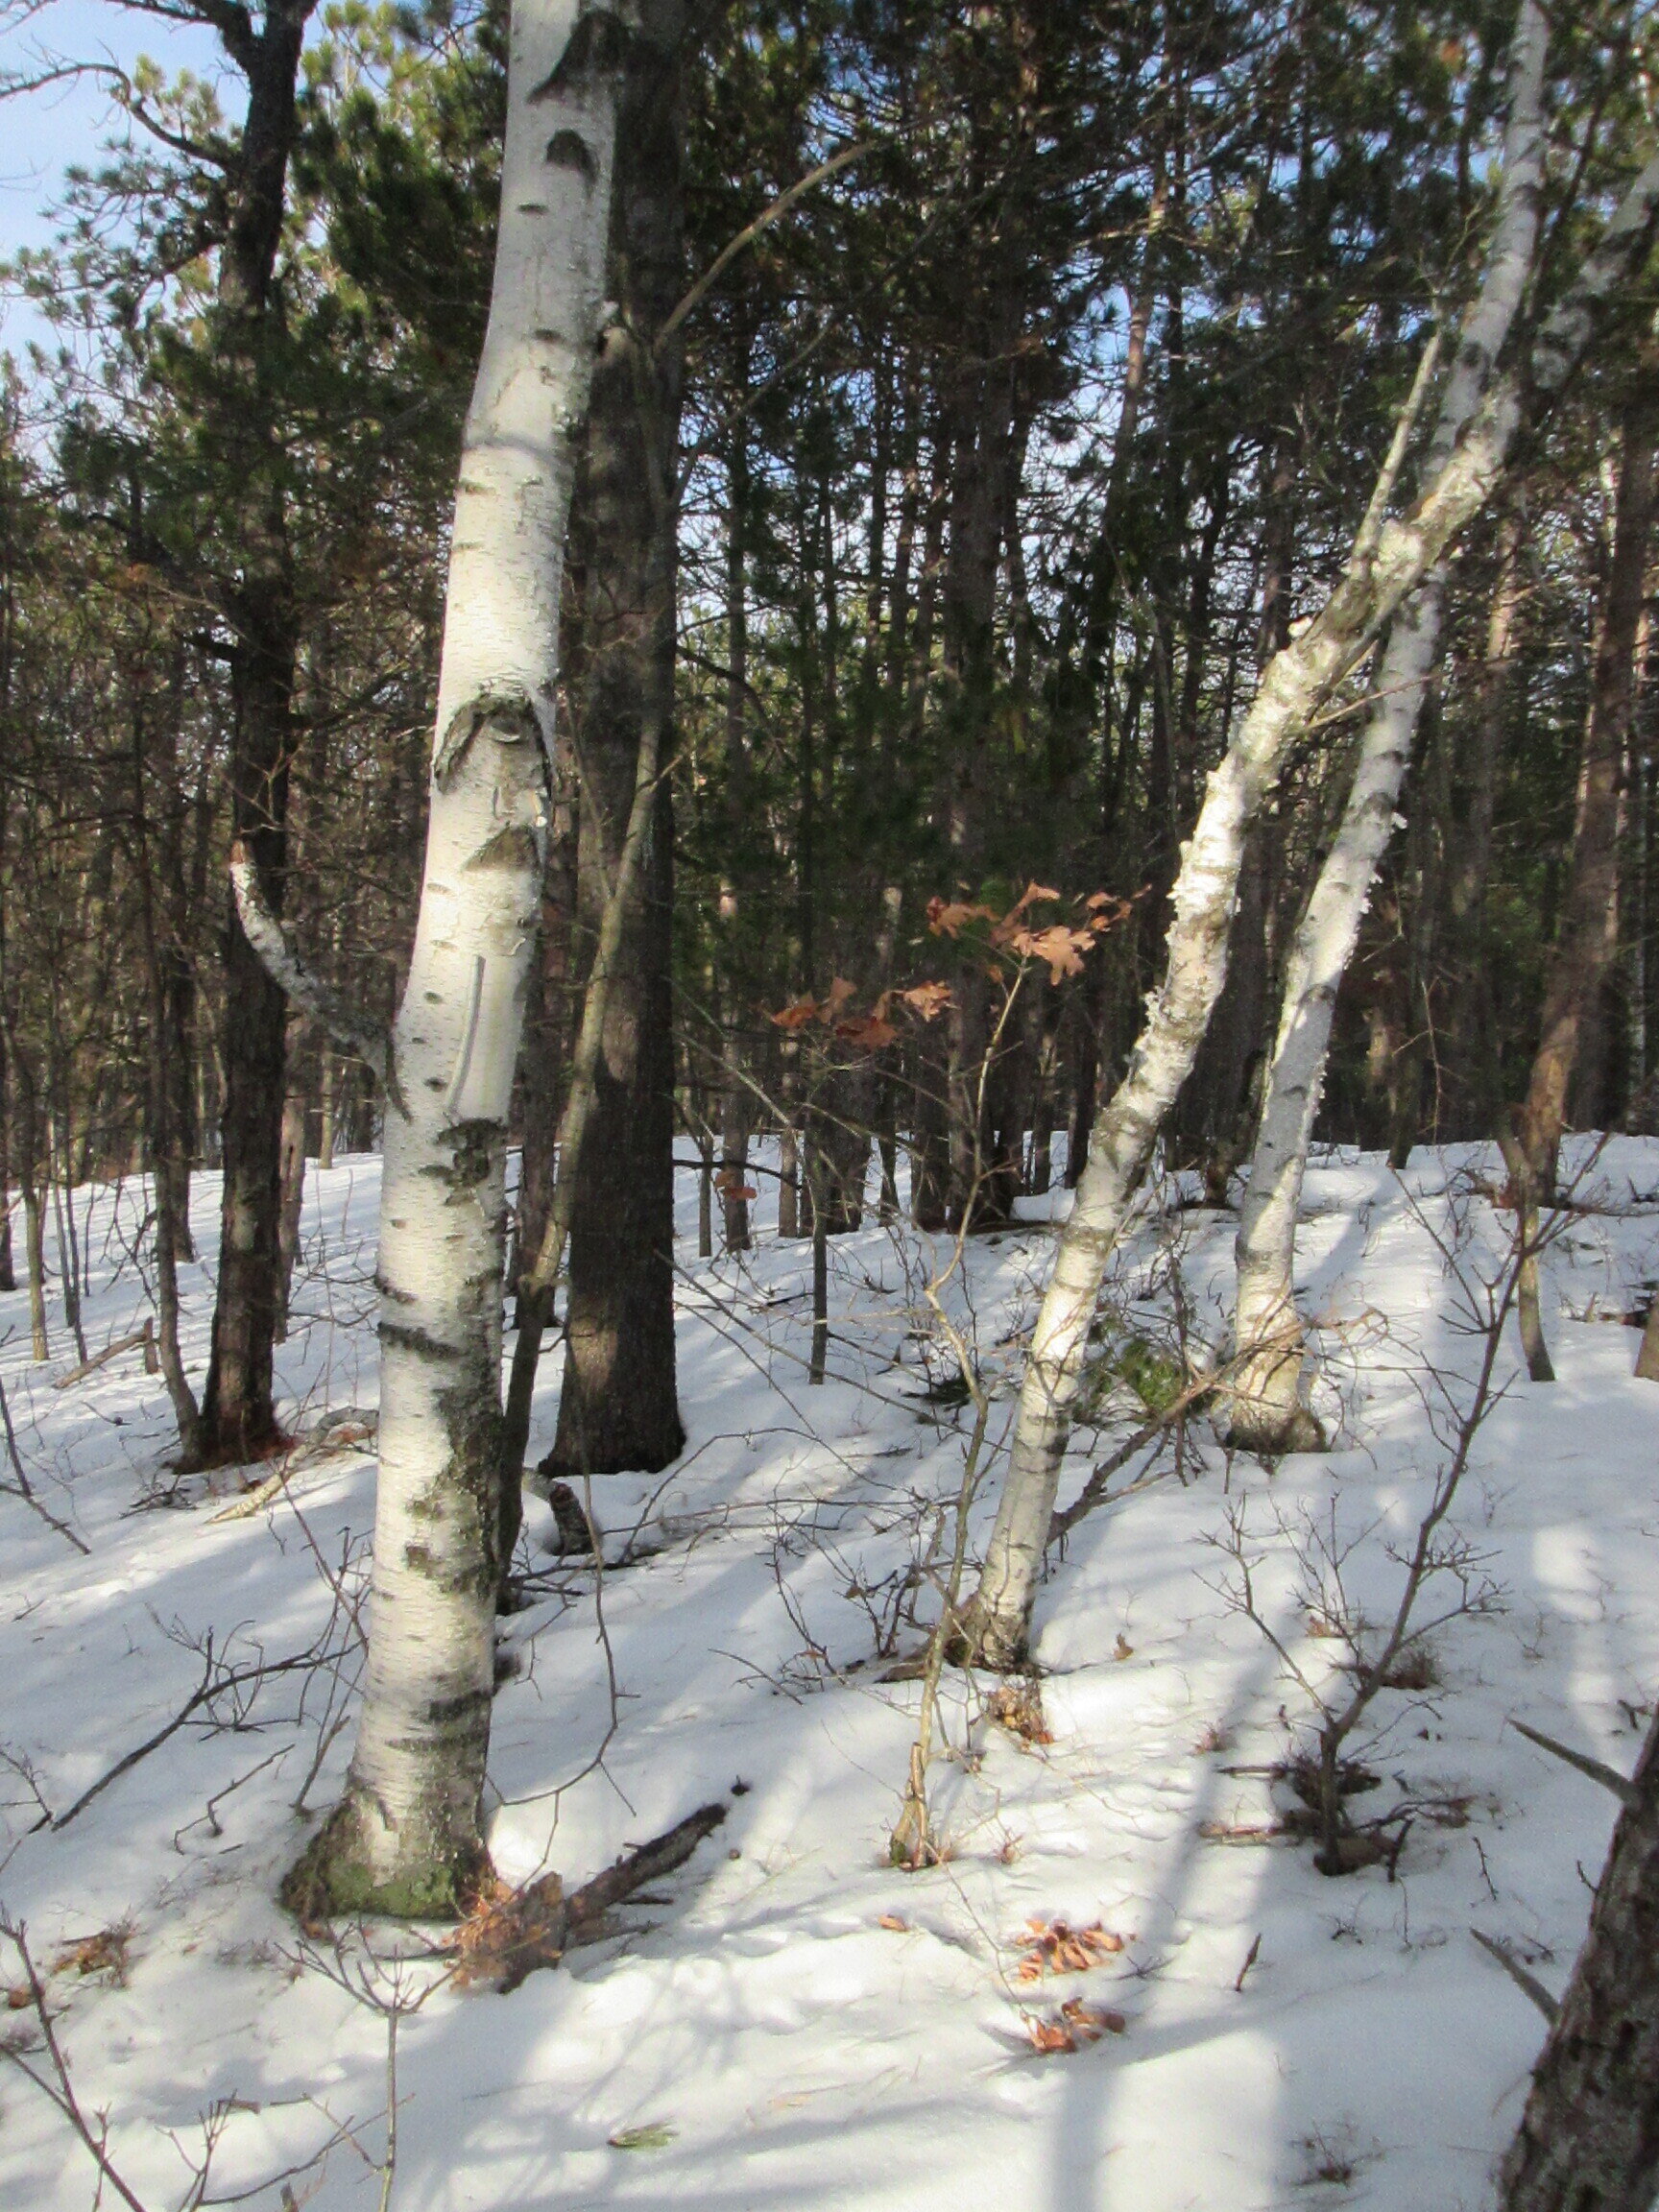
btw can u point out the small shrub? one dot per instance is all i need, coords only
(1135, 1364)
(1416, 1668)
(1331, 2160)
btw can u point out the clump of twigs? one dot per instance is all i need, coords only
(104, 1951)
(1330, 2160)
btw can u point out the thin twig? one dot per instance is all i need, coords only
(63, 2095)
(213, 1685)
(1529, 1984)
(769, 215)
(1596, 1768)
(25, 1488)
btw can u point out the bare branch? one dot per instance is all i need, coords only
(1095, 1491)
(729, 253)
(1528, 1983)
(215, 1681)
(1383, 491)
(145, 1335)
(372, 1043)
(61, 2088)
(25, 1488)
(1597, 1769)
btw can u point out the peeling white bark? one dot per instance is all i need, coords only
(1266, 1412)
(1386, 565)
(406, 1837)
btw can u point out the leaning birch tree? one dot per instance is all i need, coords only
(406, 1837)
(1388, 560)
(1266, 1412)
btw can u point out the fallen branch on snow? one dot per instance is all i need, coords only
(508, 1938)
(1526, 1983)
(145, 1337)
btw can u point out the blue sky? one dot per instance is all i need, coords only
(42, 132)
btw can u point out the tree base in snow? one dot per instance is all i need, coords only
(995, 1647)
(1270, 1431)
(1265, 1411)
(337, 1876)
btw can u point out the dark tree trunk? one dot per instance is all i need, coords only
(618, 1408)
(545, 1055)
(8, 1265)
(705, 1196)
(1215, 1112)
(736, 1107)
(28, 1096)
(837, 1133)
(168, 1161)
(929, 1132)
(7, 624)
(1472, 1040)
(238, 1418)
(177, 1021)
(789, 1192)
(989, 454)
(736, 1116)
(1589, 2138)
(1413, 1106)
(1584, 947)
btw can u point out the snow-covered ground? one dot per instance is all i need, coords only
(791, 2022)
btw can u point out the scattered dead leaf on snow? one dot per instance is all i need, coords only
(1055, 1947)
(1073, 2027)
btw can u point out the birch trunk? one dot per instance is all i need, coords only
(406, 1837)
(1388, 560)
(1266, 1410)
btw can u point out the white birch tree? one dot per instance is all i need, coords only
(1389, 558)
(406, 1837)
(1266, 1412)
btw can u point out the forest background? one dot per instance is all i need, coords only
(989, 621)
(1007, 453)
